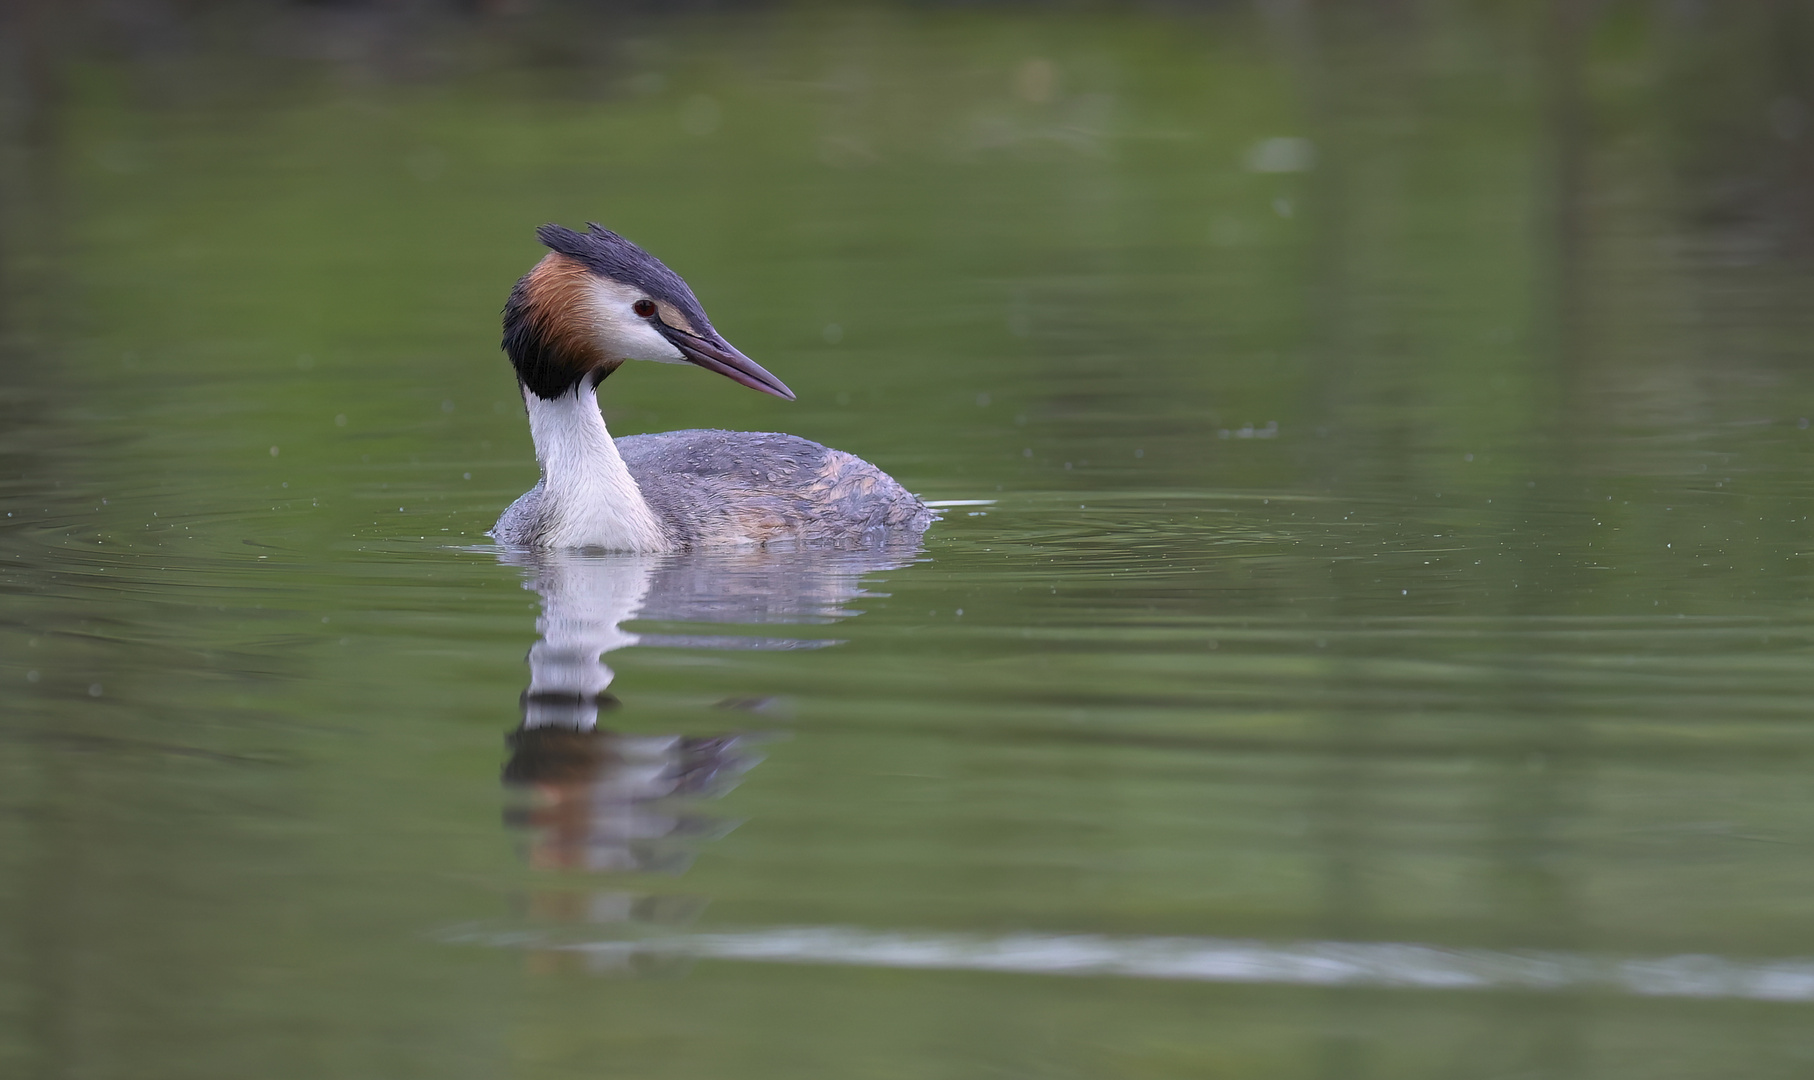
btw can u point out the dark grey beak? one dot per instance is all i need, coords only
(713, 353)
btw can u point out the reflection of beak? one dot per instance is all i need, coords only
(713, 353)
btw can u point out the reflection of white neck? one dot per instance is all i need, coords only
(584, 598)
(588, 495)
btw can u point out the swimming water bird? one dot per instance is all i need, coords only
(597, 300)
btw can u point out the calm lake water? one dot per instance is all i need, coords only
(1371, 633)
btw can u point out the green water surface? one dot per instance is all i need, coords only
(1381, 434)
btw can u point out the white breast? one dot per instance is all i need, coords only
(589, 498)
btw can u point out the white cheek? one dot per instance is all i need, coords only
(625, 335)
(646, 343)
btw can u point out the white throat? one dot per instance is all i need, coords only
(589, 498)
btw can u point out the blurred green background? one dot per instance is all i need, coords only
(1396, 412)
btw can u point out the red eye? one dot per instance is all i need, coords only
(644, 308)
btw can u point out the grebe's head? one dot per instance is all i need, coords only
(598, 300)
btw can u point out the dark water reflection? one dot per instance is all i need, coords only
(1374, 640)
(596, 800)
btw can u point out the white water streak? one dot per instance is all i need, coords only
(1214, 960)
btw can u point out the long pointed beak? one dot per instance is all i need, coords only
(716, 354)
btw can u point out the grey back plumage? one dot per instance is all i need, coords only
(712, 487)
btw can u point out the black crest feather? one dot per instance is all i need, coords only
(546, 362)
(607, 254)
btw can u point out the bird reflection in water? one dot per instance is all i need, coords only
(595, 801)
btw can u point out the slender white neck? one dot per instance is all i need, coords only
(588, 495)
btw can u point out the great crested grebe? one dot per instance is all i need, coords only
(598, 300)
